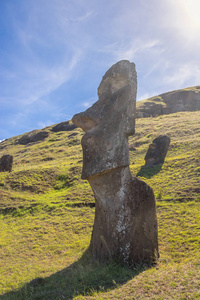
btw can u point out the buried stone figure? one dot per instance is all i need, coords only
(125, 225)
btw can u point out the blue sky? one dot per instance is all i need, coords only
(54, 53)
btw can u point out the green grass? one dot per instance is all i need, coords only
(47, 212)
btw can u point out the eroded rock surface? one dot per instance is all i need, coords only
(171, 102)
(125, 225)
(109, 122)
(32, 137)
(157, 150)
(63, 126)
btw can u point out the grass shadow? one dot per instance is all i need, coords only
(84, 277)
(149, 171)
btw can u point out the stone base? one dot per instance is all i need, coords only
(125, 226)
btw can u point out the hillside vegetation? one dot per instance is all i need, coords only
(47, 213)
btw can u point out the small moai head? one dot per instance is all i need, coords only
(6, 162)
(109, 121)
(157, 150)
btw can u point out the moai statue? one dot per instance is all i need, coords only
(157, 151)
(6, 162)
(125, 225)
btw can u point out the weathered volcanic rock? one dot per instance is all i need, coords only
(64, 126)
(171, 102)
(157, 150)
(109, 122)
(6, 162)
(33, 136)
(125, 225)
(183, 100)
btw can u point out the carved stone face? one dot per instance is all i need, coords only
(110, 121)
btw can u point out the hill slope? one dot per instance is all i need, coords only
(47, 215)
(181, 100)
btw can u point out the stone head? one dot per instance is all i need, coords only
(109, 121)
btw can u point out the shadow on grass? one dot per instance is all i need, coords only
(149, 171)
(84, 277)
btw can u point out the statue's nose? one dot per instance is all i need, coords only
(88, 119)
(84, 121)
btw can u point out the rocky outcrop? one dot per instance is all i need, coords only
(6, 162)
(39, 135)
(125, 225)
(172, 102)
(63, 126)
(32, 137)
(157, 151)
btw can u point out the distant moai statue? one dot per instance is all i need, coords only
(125, 225)
(157, 151)
(6, 162)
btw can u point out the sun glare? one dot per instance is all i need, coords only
(185, 17)
(192, 8)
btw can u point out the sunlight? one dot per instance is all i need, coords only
(185, 17)
(192, 8)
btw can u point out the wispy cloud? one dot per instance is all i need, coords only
(82, 17)
(45, 124)
(129, 50)
(36, 80)
(43, 66)
(55, 53)
(89, 102)
(184, 18)
(145, 96)
(183, 74)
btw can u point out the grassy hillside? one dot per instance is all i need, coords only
(47, 214)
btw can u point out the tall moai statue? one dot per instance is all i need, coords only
(125, 225)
